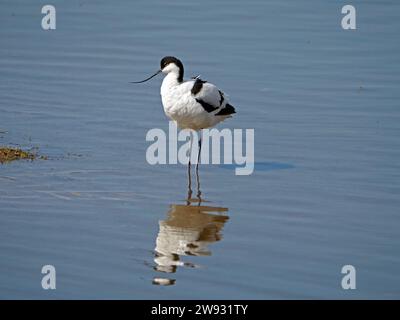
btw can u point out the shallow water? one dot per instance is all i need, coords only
(325, 192)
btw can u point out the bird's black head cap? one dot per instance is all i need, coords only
(169, 59)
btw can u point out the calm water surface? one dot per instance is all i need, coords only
(324, 103)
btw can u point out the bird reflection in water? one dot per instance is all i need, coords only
(188, 230)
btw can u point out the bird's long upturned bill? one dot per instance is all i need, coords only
(147, 78)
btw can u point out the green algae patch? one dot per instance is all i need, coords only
(11, 154)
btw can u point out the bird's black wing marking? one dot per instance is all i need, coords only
(221, 95)
(206, 106)
(198, 84)
(227, 110)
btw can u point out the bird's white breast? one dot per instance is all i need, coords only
(180, 104)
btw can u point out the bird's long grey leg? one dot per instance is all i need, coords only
(197, 170)
(189, 171)
(198, 187)
(198, 155)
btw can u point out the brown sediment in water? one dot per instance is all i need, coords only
(10, 154)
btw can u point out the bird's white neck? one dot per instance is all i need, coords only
(170, 81)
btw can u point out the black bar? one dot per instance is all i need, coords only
(200, 309)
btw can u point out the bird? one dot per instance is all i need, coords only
(193, 104)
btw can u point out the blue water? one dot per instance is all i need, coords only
(324, 104)
(260, 166)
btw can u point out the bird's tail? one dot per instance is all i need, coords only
(227, 110)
